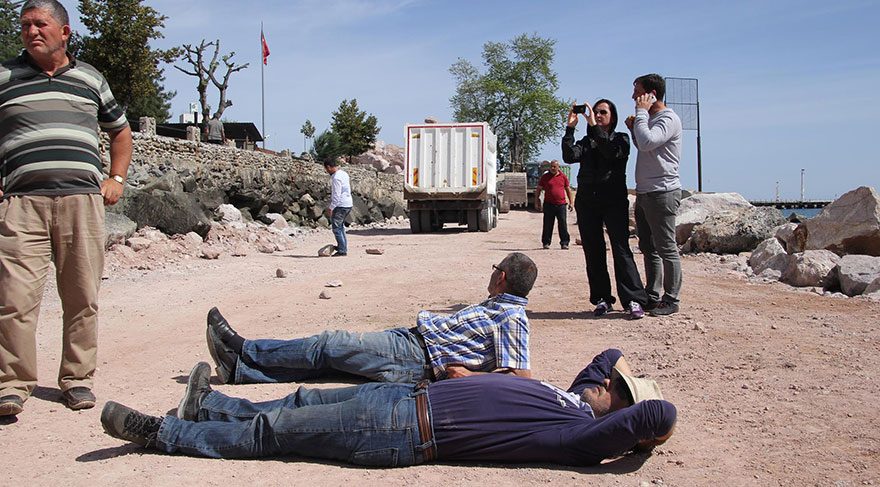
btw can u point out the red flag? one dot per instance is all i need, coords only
(265, 47)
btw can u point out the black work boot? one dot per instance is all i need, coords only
(127, 424)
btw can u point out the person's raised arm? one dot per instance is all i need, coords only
(650, 138)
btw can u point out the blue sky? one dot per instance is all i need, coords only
(784, 85)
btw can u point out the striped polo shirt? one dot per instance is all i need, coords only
(49, 127)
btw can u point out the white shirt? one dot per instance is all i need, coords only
(340, 190)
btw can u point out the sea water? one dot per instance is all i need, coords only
(806, 213)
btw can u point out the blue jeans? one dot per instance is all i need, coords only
(393, 355)
(370, 424)
(655, 224)
(337, 224)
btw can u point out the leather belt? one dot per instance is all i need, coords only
(424, 420)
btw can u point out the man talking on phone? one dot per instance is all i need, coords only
(656, 133)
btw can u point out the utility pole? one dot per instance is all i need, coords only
(777, 191)
(802, 184)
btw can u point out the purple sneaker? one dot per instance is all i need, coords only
(602, 308)
(635, 311)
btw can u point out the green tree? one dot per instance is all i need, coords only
(327, 146)
(10, 31)
(118, 45)
(308, 131)
(516, 95)
(356, 130)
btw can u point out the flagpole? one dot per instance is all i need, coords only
(263, 82)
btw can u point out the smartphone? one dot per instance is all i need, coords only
(579, 109)
(652, 98)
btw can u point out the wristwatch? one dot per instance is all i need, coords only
(119, 179)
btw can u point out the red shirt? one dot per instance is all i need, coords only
(554, 187)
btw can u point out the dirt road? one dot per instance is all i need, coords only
(774, 386)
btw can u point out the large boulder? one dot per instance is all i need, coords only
(857, 272)
(119, 228)
(786, 236)
(874, 287)
(812, 268)
(695, 209)
(849, 225)
(769, 256)
(171, 213)
(734, 231)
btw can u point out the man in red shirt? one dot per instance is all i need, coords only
(555, 186)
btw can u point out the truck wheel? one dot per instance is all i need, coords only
(485, 219)
(425, 220)
(472, 220)
(415, 222)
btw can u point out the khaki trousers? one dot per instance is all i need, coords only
(34, 231)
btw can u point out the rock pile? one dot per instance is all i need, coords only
(176, 186)
(838, 250)
(385, 158)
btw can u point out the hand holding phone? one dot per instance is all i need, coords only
(579, 108)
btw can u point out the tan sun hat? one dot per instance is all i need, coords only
(640, 389)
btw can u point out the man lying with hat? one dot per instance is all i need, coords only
(491, 417)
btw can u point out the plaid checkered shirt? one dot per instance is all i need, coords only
(482, 337)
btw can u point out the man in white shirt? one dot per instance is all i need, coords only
(340, 204)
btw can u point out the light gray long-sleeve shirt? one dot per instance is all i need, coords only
(658, 139)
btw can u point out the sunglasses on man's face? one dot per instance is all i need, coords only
(495, 267)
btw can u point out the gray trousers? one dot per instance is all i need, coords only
(655, 223)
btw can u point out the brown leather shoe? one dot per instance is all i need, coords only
(79, 398)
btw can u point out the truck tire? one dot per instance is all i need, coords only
(485, 218)
(415, 222)
(425, 220)
(472, 220)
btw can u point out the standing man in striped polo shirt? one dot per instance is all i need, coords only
(53, 195)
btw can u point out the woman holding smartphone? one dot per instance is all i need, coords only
(602, 201)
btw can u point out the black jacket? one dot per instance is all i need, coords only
(603, 157)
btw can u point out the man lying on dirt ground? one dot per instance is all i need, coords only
(488, 417)
(492, 336)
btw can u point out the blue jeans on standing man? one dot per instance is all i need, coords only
(395, 355)
(370, 424)
(337, 224)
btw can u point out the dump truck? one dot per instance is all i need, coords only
(450, 176)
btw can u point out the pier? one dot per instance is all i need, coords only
(791, 205)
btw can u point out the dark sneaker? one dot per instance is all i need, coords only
(564, 246)
(340, 254)
(602, 308)
(664, 309)
(197, 387)
(651, 305)
(224, 357)
(79, 398)
(546, 246)
(635, 311)
(11, 405)
(127, 424)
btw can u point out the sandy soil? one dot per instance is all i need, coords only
(774, 386)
